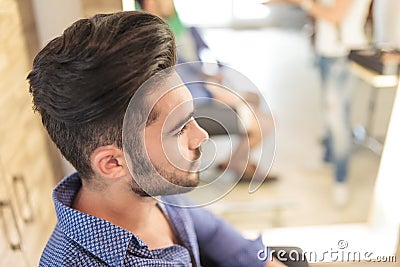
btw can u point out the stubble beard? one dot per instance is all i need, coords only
(160, 182)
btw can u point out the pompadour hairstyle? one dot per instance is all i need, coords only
(83, 80)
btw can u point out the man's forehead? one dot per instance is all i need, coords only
(161, 84)
(177, 99)
(168, 94)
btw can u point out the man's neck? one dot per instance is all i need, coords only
(139, 215)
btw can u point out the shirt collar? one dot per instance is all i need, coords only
(101, 238)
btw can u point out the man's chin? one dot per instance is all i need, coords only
(177, 190)
(183, 186)
(170, 190)
(172, 187)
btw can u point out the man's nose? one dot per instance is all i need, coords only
(199, 135)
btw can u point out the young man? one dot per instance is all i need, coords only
(82, 83)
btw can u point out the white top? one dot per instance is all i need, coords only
(336, 41)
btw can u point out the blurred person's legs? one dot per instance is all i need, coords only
(337, 141)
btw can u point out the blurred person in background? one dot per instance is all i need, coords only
(339, 27)
(191, 47)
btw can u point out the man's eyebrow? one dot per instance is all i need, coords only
(181, 123)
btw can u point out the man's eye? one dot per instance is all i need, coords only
(182, 130)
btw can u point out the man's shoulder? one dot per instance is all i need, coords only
(62, 251)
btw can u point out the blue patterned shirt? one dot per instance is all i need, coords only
(83, 240)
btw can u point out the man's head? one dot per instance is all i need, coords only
(82, 83)
(162, 8)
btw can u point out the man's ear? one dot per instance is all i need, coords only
(108, 161)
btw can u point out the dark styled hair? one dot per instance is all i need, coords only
(83, 80)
